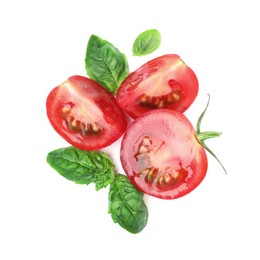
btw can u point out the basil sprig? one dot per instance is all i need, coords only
(105, 64)
(126, 204)
(83, 167)
(146, 42)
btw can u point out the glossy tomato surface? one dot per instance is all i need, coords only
(161, 155)
(85, 114)
(164, 82)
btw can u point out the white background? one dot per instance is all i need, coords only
(44, 216)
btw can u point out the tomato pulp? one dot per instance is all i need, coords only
(162, 156)
(164, 82)
(85, 114)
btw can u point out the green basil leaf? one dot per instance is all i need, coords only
(146, 42)
(105, 64)
(126, 205)
(82, 167)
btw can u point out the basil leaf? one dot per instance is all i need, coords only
(82, 167)
(126, 205)
(146, 42)
(105, 64)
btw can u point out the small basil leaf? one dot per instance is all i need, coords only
(82, 167)
(105, 64)
(126, 205)
(146, 42)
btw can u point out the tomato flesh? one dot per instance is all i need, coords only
(85, 114)
(164, 82)
(161, 155)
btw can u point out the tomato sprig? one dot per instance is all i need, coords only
(203, 136)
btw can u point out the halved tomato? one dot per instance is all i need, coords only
(162, 156)
(164, 82)
(85, 114)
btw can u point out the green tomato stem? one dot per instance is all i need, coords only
(203, 136)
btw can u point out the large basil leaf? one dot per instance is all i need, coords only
(126, 205)
(146, 42)
(105, 64)
(82, 167)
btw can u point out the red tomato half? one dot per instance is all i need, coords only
(161, 155)
(85, 114)
(164, 82)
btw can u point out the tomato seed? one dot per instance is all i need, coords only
(95, 127)
(151, 174)
(65, 110)
(145, 171)
(176, 96)
(143, 98)
(84, 129)
(87, 128)
(160, 180)
(168, 178)
(74, 123)
(159, 102)
(175, 174)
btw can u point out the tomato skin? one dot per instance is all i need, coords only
(85, 114)
(161, 155)
(164, 82)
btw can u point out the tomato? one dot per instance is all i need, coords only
(162, 156)
(85, 114)
(164, 82)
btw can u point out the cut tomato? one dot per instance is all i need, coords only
(164, 82)
(162, 156)
(85, 114)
